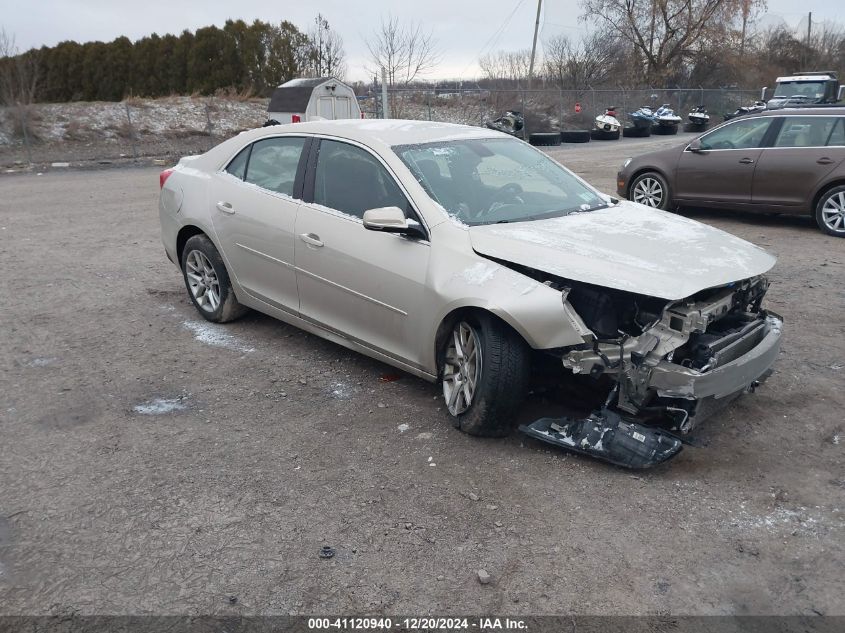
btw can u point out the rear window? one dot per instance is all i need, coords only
(273, 163)
(807, 131)
(237, 167)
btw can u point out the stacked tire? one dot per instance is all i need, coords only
(545, 139)
(633, 131)
(665, 130)
(695, 128)
(604, 135)
(575, 136)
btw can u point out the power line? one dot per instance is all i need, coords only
(494, 39)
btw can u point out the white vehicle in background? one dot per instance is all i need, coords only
(312, 99)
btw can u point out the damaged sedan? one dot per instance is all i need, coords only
(465, 256)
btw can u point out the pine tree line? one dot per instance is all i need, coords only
(245, 57)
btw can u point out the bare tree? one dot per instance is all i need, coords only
(668, 33)
(577, 65)
(18, 83)
(405, 51)
(326, 56)
(506, 66)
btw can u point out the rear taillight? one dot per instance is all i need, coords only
(163, 176)
(294, 118)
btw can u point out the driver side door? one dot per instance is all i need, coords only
(722, 171)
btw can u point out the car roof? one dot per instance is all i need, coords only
(388, 132)
(805, 111)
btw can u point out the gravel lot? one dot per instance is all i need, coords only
(153, 463)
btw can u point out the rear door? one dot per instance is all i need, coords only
(805, 150)
(723, 170)
(254, 214)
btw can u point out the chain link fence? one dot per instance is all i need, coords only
(142, 129)
(549, 110)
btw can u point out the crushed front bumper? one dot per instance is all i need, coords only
(739, 366)
(739, 362)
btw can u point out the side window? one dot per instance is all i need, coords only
(837, 135)
(351, 180)
(273, 163)
(805, 131)
(237, 166)
(743, 134)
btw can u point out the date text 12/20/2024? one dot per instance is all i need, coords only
(417, 624)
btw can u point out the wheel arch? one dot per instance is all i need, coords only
(644, 170)
(185, 233)
(467, 312)
(838, 182)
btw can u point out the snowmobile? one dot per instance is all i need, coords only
(642, 118)
(699, 116)
(608, 121)
(757, 106)
(511, 122)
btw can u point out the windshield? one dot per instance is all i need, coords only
(800, 89)
(488, 181)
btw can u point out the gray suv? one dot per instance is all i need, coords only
(789, 161)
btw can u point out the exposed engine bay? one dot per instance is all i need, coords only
(671, 363)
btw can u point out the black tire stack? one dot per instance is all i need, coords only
(665, 130)
(632, 131)
(604, 135)
(544, 138)
(575, 136)
(695, 128)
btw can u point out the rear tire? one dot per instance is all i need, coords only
(604, 135)
(651, 190)
(575, 136)
(830, 212)
(497, 386)
(207, 281)
(544, 138)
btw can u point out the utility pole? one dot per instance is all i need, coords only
(809, 31)
(534, 45)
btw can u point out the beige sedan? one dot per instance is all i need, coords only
(463, 255)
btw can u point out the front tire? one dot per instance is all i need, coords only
(207, 281)
(830, 212)
(485, 369)
(652, 190)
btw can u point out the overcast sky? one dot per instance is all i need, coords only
(463, 28)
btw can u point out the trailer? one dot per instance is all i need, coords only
(313, 99)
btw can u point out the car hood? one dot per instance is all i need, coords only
(628, 247)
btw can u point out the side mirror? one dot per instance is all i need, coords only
(763, 94)
(695, 146)
(390, 220)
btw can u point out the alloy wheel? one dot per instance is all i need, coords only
(648, 191)
(462, 368)
(833, 212)
(202, 281)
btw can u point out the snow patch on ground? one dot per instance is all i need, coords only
(403, 427)
(798, 520)
(160, 406)
(215, 335)
(341, 390)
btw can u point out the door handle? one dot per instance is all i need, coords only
(225, 207)
(824, 161)
(311, 239)
(746, 161)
